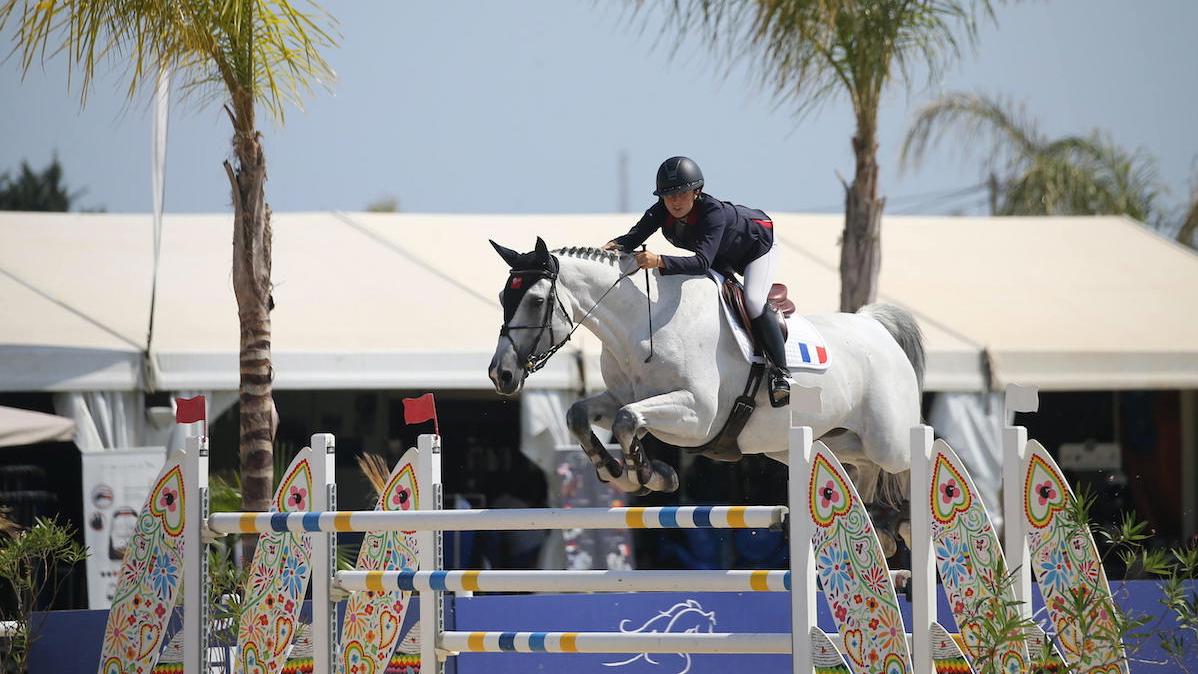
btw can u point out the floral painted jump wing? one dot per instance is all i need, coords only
(1068, 570)
(853, 573)
(151, 574)
(373, 618)
(971, 563)
(278, 579)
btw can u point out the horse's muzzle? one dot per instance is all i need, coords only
(505, 373)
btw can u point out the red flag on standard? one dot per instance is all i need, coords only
(189, 410)
(419, 410)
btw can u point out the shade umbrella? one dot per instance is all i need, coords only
(25, 427)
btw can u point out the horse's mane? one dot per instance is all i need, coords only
(589, 253)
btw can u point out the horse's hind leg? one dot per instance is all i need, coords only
(672, 414)
(599, 409)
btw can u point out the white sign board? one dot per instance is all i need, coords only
(115, 485)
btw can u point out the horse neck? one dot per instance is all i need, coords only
(586, 281)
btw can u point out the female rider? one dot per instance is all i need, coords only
(723, 236)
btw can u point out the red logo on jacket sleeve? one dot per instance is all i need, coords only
(517, 283)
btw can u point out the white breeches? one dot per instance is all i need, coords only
(759, 278)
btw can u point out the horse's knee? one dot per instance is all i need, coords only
(578, 420)
(625, 424)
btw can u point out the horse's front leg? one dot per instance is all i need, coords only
(673, 414)
(599, 410)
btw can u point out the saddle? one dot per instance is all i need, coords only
(734, 294)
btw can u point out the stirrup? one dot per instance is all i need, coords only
(779, 388)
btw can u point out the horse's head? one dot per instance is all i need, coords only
(535, 319)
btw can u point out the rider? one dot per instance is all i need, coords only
(723, 236)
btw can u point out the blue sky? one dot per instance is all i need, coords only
(525, 106)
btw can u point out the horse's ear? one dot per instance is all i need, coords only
(509, 256)
(542, 250)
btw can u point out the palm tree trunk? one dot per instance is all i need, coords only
(861, 251)
(252, 287)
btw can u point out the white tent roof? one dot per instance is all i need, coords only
(410, 300)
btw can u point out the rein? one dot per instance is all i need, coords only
(535, 362)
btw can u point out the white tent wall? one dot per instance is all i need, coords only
(972, 423)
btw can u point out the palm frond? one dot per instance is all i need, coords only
(268, 50)
(1086, 175)
(810, 51)
(1004, 131)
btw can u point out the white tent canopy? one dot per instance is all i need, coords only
(410, 300)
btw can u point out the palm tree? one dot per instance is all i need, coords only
(1038, 175)
(242, 52)
(814, 50)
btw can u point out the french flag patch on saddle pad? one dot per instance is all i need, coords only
(805, 347)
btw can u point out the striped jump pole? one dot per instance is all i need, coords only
(613, 642)
(565, 581)
(661, 517)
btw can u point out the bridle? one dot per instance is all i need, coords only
(534, 362)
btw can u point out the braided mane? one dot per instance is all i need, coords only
(589, 253)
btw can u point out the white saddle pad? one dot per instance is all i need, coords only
(805, 347)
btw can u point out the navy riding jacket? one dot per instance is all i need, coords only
(723, 235)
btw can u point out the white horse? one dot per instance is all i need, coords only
(685, 392)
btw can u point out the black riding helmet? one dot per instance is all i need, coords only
(678, 174)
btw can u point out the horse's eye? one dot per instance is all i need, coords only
(538, 301)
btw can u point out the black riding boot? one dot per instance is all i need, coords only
(769, 335)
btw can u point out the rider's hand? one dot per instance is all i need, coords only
(613, 247)
(647, 259)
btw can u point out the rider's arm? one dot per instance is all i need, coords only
(707, 241)
(650, 222)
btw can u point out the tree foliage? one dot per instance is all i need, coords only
(264, 50)
(1071, 175)
(811, 51)
(35, 190)
(34, 564)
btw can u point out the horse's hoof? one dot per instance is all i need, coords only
(643, 491)
(668, 475)
(644, 473)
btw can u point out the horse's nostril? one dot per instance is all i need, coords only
(506, 376)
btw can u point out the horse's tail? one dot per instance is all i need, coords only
(902, 326)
